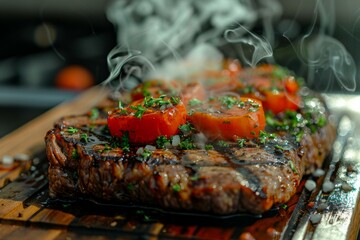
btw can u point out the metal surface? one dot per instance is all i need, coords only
(340, 218)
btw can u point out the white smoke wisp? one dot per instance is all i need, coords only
(154, 27)
(119, 61)
(261, 46)
(178, 37)
(327, 53)
(326, 58)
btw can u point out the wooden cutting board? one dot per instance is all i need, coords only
(26, 212)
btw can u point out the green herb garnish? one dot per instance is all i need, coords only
(228, 101)
(241, 142)
(94, 114)
(84, 137)
(176, 187)
(175, 100)
(265, 136)
(209, 147)
(161, 141)
(130, 187)
(140, 110)
(186, 128)
(105, 129)
(194, 102)
(72, 130)
(187, 144)
(75, 154)
(121, 105)
(195, 177)
(125, 141)
(156, 102)
(292, 166)
(222, 143)
(106, 148)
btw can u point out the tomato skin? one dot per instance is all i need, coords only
(74, 77)
(278, 102)
(154, 88)
(150, 126)
(191, 91)
(276, 94)
(291, 86)
(229, 124)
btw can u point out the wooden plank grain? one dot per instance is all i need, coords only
(31, 135)
(14, 232)
(53, 216)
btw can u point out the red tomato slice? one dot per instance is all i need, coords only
(192, 90)
(277, 91)
(154, 88)
(278, 102)
(144, 123)
(228, 118)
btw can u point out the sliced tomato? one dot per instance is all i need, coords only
(232, 66)
(154, 88)
(228, 118)
(144, 123)
(291, 86)
(192, 90)
(271, 85)
(280, 101)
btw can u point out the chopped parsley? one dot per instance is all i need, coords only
(176, 187)
(187, 144)
(146, 154)
(195, 177)
(156, 102)
(84, 137)
(130, 187)
(265, 136)
(241, 142)
(229, 101)
(140, 110)
(72, 130)
(222, 143)
(105, 129)
(125, 141)
(292, 166)
(209, 147)
(161, 141)
(120, 105)
(247, 90)
(106, 148)
(292, 121)
(277, 146)
(280, 73)
(194, 102)
(254, 107)
(186, 128)
(75, 154)
(175, 100)
(94, 114)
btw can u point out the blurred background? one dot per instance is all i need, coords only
(45, 45)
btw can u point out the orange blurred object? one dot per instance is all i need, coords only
(74, 77)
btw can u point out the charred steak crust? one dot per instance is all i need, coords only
(253, 177)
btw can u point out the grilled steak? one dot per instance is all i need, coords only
(248, 175)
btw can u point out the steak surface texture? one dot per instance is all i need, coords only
(230, 177)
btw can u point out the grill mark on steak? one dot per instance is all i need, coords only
(222, 181)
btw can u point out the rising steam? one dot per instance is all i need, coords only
(261, 47)
(175, 39)
(326, 58)
(178, 37)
